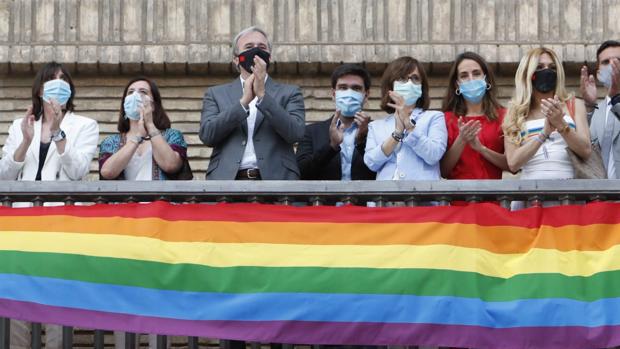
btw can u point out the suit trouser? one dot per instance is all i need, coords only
(21, 337)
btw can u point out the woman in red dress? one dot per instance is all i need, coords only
(473, 119)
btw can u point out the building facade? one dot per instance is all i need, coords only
(185, 45)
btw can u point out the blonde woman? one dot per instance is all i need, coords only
(543, 119)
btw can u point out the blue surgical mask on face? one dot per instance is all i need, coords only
(58, 90)
(349, 102)
(132, 105)
(473, 90)
(604, 76)
(409, 91)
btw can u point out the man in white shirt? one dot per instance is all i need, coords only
(253, 121)
(604, 117)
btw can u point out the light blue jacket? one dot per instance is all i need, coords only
(417, 157)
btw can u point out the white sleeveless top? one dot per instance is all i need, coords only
(140, 167)
(551, 159)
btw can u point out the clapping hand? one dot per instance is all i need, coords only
(27, 126)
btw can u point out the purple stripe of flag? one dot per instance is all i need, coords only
(343, 333)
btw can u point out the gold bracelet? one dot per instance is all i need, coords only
(564, 129)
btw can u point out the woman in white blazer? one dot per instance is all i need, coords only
(49, 143)
(50, 128)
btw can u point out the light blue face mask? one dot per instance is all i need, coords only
(409, 91)
(349, 102)
(58, 90)
(473, 90)
(132, 105)
(604, 76)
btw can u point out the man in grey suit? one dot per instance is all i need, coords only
(253, 121)
(604, 117)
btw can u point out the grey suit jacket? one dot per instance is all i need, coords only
(280, 122)
(597, 129)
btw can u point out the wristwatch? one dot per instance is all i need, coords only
(58, 135)
(397, 136)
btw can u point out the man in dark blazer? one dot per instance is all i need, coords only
(253, 121)
(604, 116)
(334, 149)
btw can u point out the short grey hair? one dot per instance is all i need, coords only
(246, 31)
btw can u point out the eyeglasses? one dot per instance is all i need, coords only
(413, 78)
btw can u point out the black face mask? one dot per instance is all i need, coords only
(246, 58)
(544, 80)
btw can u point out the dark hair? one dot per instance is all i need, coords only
(160, 118)
(46, 73)
(456, 103)
(607, 44)
(398, 69)
(351, 69)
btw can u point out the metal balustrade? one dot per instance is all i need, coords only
(299, 193)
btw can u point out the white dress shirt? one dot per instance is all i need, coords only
(611, 165)
(248, 160)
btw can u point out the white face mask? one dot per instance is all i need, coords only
(604, 76)
(408, 90)
(57, 89)
(132, 105)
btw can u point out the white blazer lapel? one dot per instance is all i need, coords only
(35, 146)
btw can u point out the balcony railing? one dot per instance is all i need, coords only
(379, 193)
(312, 192)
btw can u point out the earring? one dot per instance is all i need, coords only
(458, 91)
(488, 86)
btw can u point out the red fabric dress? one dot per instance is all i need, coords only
(472, 165)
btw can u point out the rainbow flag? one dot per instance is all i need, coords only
(475, 276)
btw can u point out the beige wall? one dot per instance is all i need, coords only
(194, 35)
(184, 45)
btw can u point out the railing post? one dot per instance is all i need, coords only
(35, 336)
(504, 201)
(192, 342)
(161, 341)
(6, 201)
(347, 200)
(411, 201)
(535, 201)
(35, 328)
(284, 200)
(597, 198)
(37, 202)
(67, 337)
(443, 201)
(99, 339)
(130, 340)
(472, 199)
(379, 202)
(67, 331)
(5, 332)
(316, 201)
(5, 323)
(566, 200)
(222, 199)
(69, 201)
